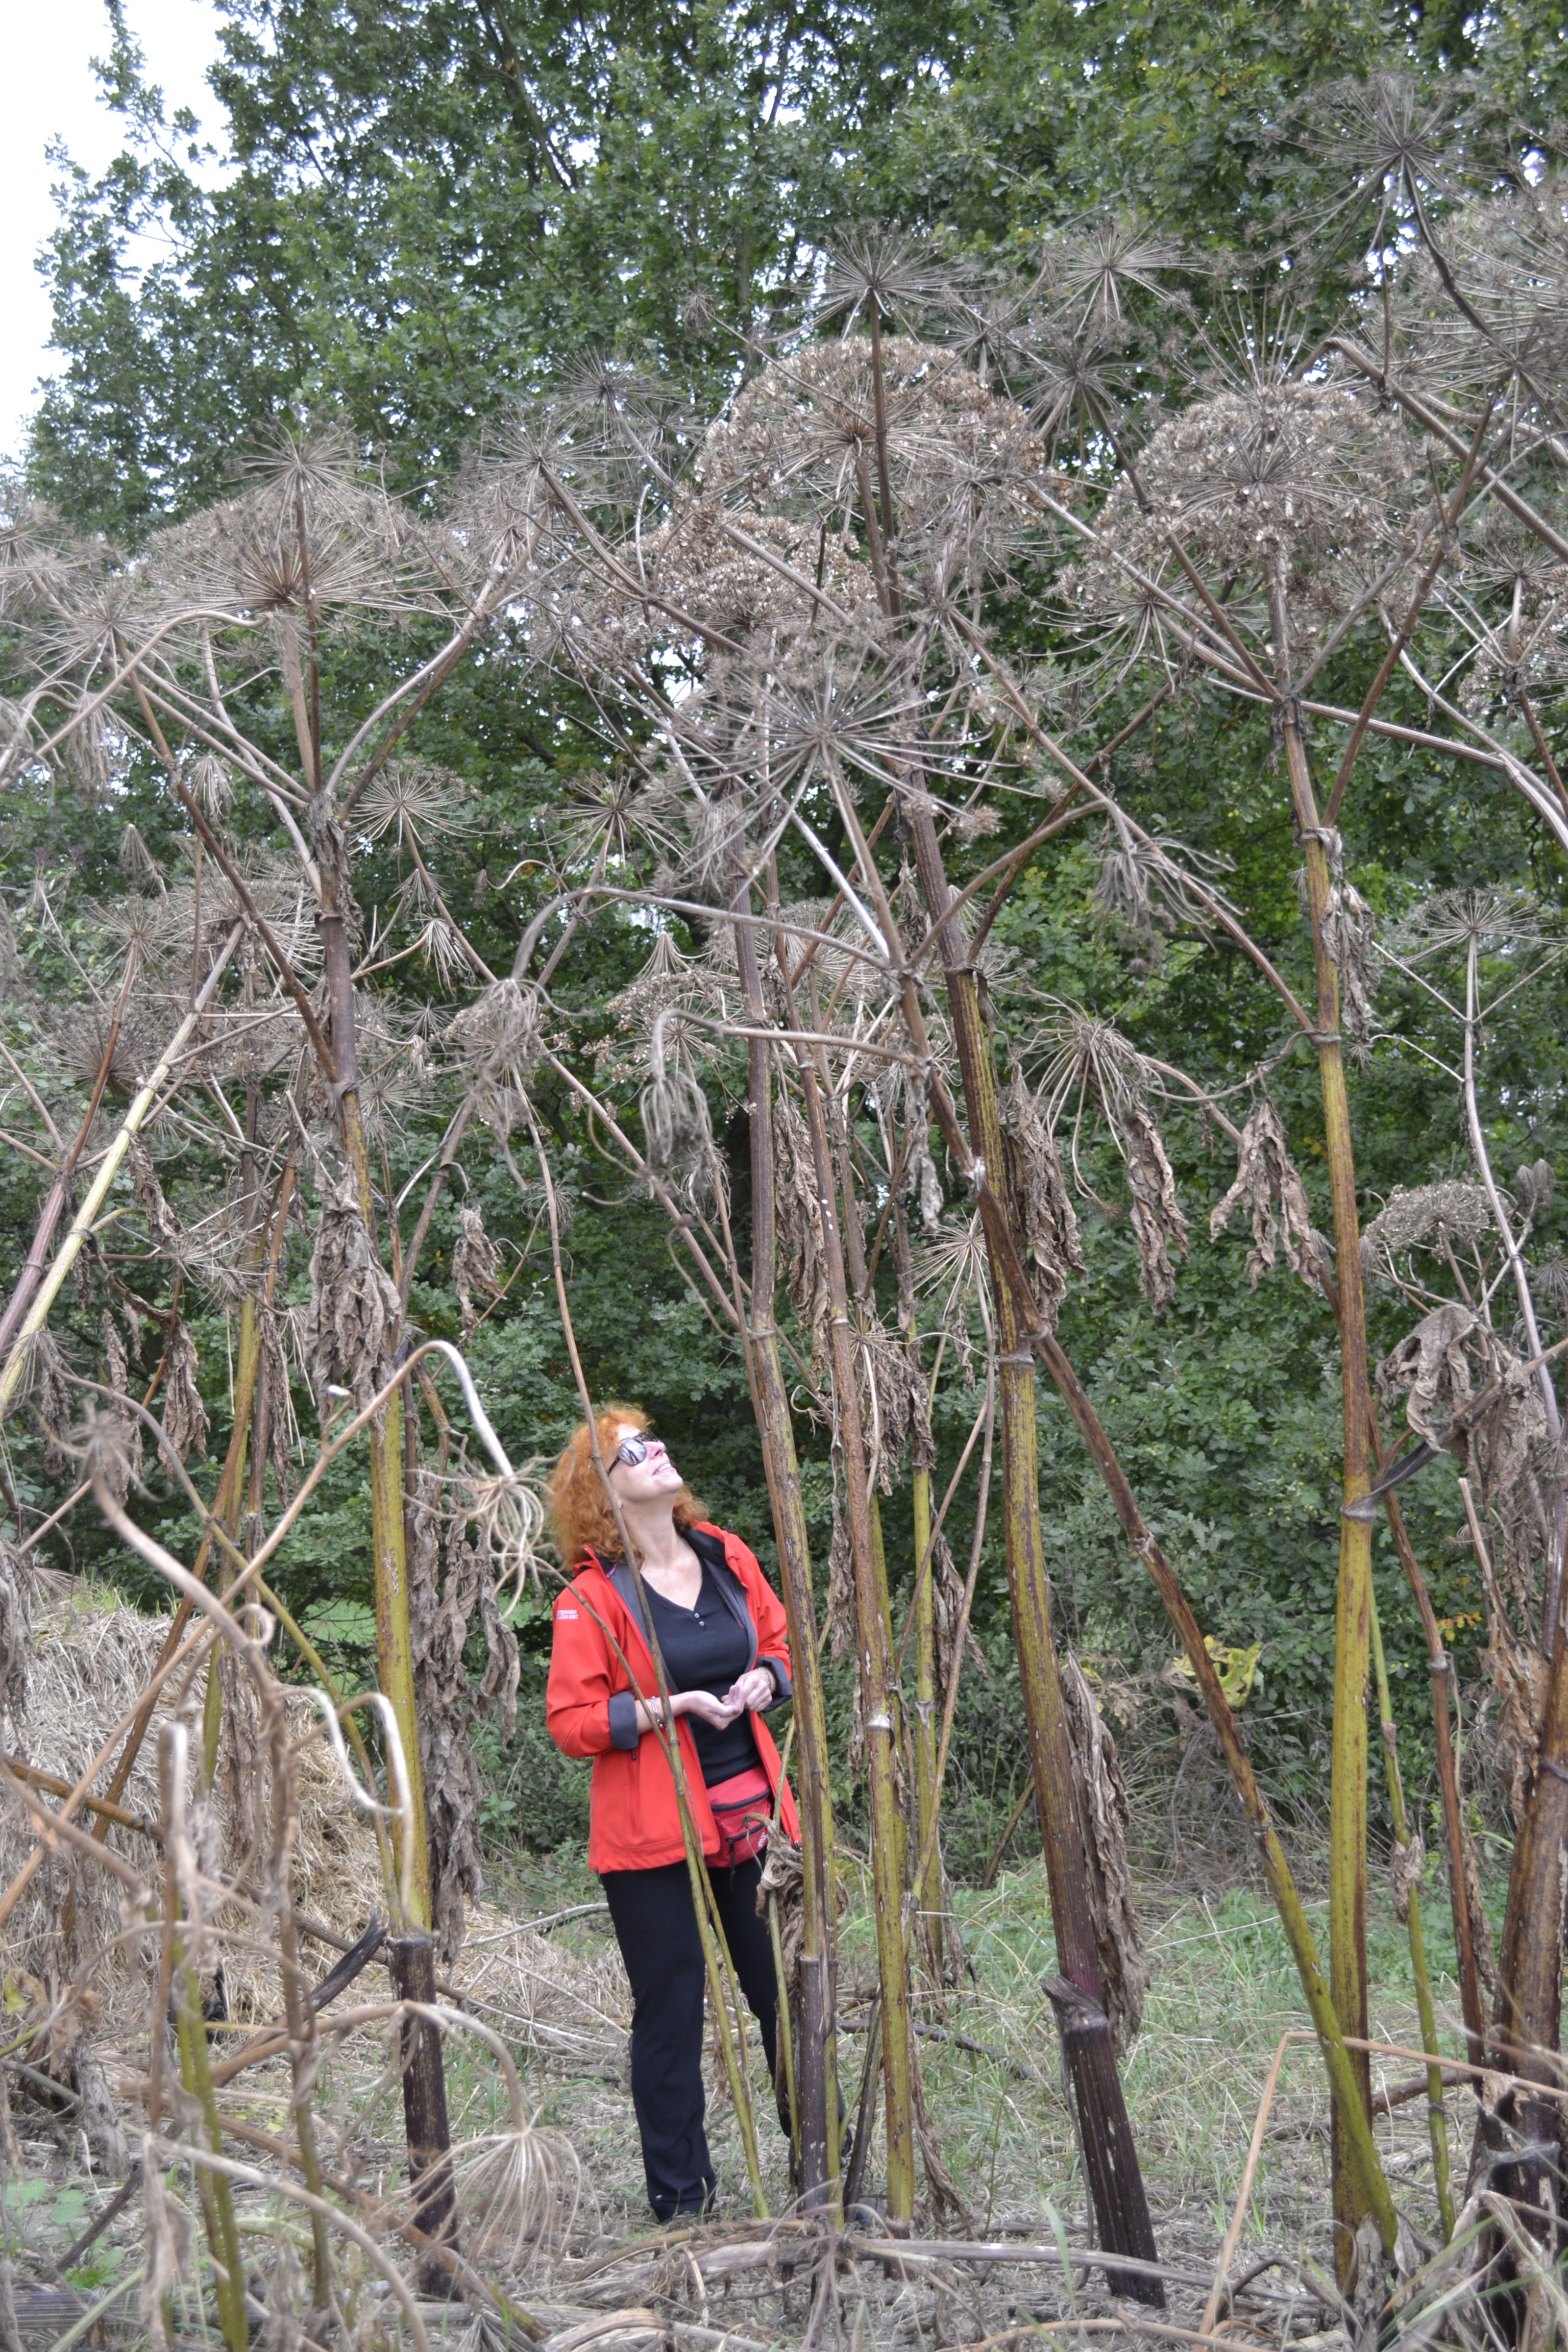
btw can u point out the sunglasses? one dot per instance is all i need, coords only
(635, 1449)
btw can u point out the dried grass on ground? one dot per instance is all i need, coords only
(555, 1990)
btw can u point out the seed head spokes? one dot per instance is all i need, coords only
(885, 267)
(1097, 267)
(414, 798)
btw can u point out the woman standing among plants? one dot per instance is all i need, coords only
(722, 1638)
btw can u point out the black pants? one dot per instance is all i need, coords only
(656, 1927)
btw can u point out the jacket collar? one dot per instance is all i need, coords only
(709, 1551)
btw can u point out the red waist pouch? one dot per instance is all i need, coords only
(742, 1812)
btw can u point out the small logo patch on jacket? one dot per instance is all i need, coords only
(561, 1615)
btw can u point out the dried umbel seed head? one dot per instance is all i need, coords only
(516, 2189)
(1151, 884)
(116, 1374)
(163, 1225)
(212, 784)
(497, 1036)
(1455, 921)
(1433, 1216)
(414, 798)
(1303, 484)
(46, 1385)
(135, 859)
(1551, 1282)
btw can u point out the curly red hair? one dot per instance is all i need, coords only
(579, 1513)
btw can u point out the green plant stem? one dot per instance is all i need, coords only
(929, 1888)
(246, 1364)
(1115, 2178)
(878, 1687)
(786, 2034)
(1008, 1261)
(1348, 1771)
(213, 2188)
(227, 1486)
(819, 2133)
(1437, 2120)
(393, 1633)
(1440, 1669)
(874, 1641)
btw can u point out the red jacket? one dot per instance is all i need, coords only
(591, 1705)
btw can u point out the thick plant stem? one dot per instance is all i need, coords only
(180, 1987)
(212, 2187)
(1440, 1667)
(1347, 1784)
(1006, 1258)
(1521, 2132)
(816, 2073)
(1110, 2154)
(1271, 1853)
(1436, 2121)
(878, 1688)
(930, 1890)
(393, 1637)
(225, 1509)
(922, 1602)
(412, 1962)
(246, 1365)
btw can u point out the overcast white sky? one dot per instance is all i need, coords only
(54, 94)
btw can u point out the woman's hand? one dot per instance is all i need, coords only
(754, 1690)
(718, 1712)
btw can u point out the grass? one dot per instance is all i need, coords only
(1223, 1991)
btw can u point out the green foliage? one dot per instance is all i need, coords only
(424, 205)
(430, 208)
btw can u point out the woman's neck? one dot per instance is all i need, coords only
(659, 1542)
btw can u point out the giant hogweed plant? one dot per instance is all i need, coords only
(810, 633)
(893, 603)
